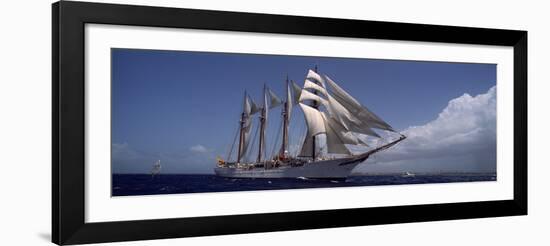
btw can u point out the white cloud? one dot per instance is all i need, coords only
(461, 138)
(198, 149)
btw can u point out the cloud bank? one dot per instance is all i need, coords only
(461, 139)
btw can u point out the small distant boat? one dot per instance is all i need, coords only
(408, 174)
(156, 168)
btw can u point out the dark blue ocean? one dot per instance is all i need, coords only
(144, 184)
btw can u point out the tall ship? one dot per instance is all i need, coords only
(338, 134)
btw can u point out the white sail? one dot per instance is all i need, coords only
(308, 84)
(348, 121)
(297, 92)
(315, 78)
(320, 146)
(338, 137)
(363, 129)
(343, 135)
(355, 108)
(249, 106)
(341, 93)
(335, 142)
(273, 100)
(314, 120)
(315, 126)
(306, 95)
(340, 113)
(307, 146)
(247, 125)
(367, 116)
(286, 113)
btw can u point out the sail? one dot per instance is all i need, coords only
(363, 129)
(363, 142)
(340, 113)
(246, 126)
(273, 100)
(307, 146)
(306, 95)
(315, 78)
(355, 108)
(287, 111)
(314, 120)
(268, 100)
(335, 137)
(249, 106)
(297, 91)
(338, 136)
(315, 126)
(343, 135)
(349, 121)
(308, 84)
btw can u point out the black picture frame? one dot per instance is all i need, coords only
(68, 118)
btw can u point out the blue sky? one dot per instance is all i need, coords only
(183, 107)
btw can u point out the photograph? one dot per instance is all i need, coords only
(199, 121)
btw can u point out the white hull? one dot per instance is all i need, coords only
(326, 169)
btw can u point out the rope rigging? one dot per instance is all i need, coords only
(275, 144)
(233, 143)
(247, 151)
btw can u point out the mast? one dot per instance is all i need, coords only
(315, 105)
(285, 114)
(262, 127)
(241, 138)
(241, 132)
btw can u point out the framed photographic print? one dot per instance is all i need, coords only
(174, 122)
